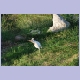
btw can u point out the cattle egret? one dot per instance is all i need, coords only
(36, 44)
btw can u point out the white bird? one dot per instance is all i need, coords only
(36, 44)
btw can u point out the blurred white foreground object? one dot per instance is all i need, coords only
(59, 23)
(36, 44)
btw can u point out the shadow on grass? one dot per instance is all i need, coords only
(16, 52)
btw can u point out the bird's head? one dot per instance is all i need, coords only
(32, 40)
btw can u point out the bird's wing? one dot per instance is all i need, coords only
(37, 43)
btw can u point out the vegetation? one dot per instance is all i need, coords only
(58, 49)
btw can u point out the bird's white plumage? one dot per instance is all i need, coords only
(37, 44)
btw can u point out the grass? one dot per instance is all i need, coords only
(58, 49)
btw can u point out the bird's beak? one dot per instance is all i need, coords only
(29, 40)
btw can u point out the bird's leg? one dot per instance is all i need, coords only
(39, 50)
